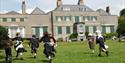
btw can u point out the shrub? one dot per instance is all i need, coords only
(3, 33)
(110, 35)
(73, 36)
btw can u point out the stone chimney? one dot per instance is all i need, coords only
(59, 2)
(108, 9)
(80, 2)
(23, 7)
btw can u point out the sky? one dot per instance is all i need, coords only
(47, 5)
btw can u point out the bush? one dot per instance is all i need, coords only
(73, 36)
(3, 33)
(110, 35)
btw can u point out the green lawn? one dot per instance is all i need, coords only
(75, 52)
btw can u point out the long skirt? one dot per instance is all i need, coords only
(47, 50)
(91, 45)
(8, 52)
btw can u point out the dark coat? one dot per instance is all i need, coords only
(45, 39)
(34, 43)
(18, 40)
(100, 41)
(47, 46)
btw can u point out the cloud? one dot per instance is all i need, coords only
(3, 12)
(27, 11)
(47, 10)
(115, 6)
(116, 9)
(70, 1)
(47, 5)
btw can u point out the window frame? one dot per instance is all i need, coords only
(13, 19)
(4, 19)
(59, 29)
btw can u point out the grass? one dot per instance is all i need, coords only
(75, 52)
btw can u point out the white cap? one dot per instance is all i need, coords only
(98, 31)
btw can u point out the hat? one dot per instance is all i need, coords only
(98, 32)
(17, 33)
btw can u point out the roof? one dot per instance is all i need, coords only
(37, 11)
(12, 12)
(73, 8)
(103, 12)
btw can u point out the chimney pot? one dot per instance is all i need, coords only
(108, 9)
(80, 2)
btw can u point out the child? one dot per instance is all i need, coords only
(53, 45)
(34, 44)
(91, 42)
(19, 46)
(7, 45)
(47, 46)
(100, 40)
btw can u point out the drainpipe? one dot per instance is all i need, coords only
(52, 24)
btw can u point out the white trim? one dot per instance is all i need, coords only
(108, 30)
(39, 25)
(18, 29)
(41, 31)
(108, 24)
(90, 29)
(80, 19)
(33, 31)
(73, 18)
(9, 32)
(23, 31)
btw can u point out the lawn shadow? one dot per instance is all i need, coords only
(1, 57)
(31, 57)
(102, 56)
(0, 51)
(2, 62)
(16, 59)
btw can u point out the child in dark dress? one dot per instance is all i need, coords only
(100, 40)
(53, 45)
(34, 44)
(7, 45)
(47, 46)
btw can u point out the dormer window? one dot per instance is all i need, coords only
(66, 9)
(85, 9)
(81, 9)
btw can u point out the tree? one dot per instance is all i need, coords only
(122, 12)
(3, 33)
(121, 23)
